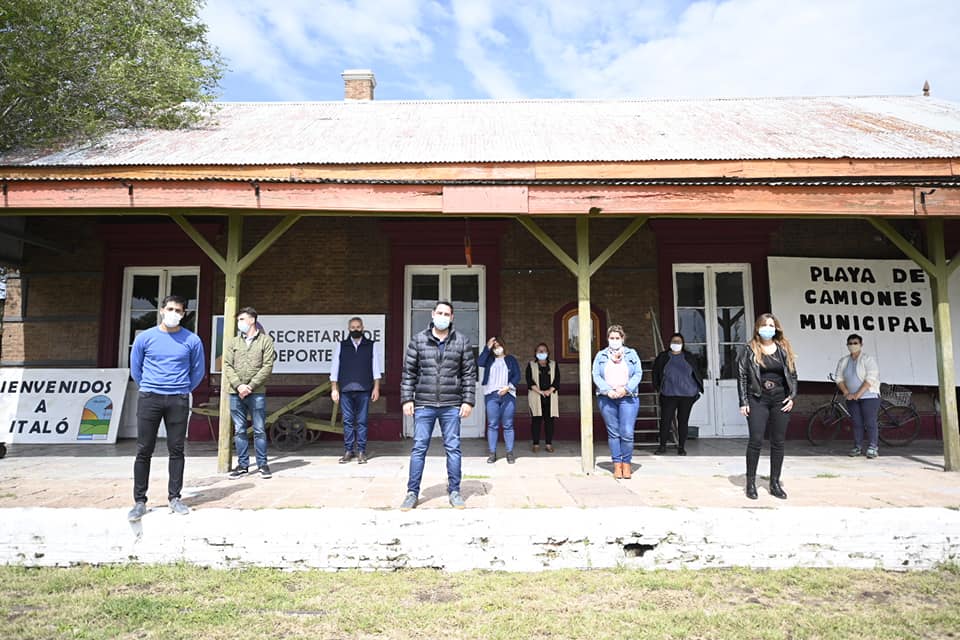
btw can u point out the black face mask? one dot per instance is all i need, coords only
(356, 335)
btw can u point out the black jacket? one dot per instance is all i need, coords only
(661, 363)
(748, 375)
(434, 381)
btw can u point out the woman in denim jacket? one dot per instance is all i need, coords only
(616, 373)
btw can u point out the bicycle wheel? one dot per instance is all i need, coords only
(899, 425)
(824, 425)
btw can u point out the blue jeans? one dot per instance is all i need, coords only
(500, 408)
(355, 405)
(620, 416)
(256, 403)
(423, 421)
(864, 414)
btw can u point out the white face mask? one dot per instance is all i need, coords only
(676, 348)
(243, 327)
(171, 319)
(441, 322)
(541, 356)
(498, 351)
(615, 343)
(854, 348)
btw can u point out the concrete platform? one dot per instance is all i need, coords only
(67, 505)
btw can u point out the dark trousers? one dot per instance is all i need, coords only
(681, 406)
(545, 419)
(765, 414)
(173, 410)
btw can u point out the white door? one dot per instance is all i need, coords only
(465, 288)
(714, 312)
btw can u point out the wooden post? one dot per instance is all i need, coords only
(585, 345)
(231, 274)
(943, 333)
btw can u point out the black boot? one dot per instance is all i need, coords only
(775, 489)
(752, 487)
(662, 449)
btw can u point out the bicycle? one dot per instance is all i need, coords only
(897, 418)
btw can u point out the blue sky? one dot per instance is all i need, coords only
(502, 49)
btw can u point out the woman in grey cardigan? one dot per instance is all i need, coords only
(858, 377)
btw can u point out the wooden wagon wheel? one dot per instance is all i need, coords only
(289, 432)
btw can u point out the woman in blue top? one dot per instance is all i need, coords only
(676, 377)
(501, 375)
(616, 373)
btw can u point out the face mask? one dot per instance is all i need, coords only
(767, 333)
(441, 322)
(615, 343)
(854, 348)
(676, 348)
(171, 319)
(498, 351)
(243, 327)
(356, 335)
(541, 356)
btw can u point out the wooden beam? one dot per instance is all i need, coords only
(200, 241)
(549, 244)
(625, 235)
(901, 243)
(943, 333)
(585, 346)
(267, 241)
(231, 275)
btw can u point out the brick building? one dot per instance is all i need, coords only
(381, 200)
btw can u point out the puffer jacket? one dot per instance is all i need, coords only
(250, 363)
(432, 380)
(748, 375)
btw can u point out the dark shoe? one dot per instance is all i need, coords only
(361, 458)
(536, 447)
(346, 457)
(178, 507)
(855, 452)
(491, 458)
(662, 449)
(410, 502)
(239, 472)
(549, 448)
(752, 487)
(776, 490)
(265, 472)
(139, 510)
(681, 451)
(510, 457)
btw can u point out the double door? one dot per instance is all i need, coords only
(714, 312)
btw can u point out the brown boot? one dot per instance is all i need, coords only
(618, 470)
(626, 470)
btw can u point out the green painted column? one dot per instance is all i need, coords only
(943, 333)
(231, 273)
(584, 345)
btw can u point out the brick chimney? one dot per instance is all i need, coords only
(358, 84)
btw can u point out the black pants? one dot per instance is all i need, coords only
(765, 413)
(151, 408)
(681, 406)
(544, 418)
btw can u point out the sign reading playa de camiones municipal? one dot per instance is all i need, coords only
(59, 406)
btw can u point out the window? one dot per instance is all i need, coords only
(143, 289)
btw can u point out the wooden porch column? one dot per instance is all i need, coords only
(939, 269)
(583, 269)
(233, 265)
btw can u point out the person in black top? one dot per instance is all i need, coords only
(767, 385)
(543, 383)
(676, 377)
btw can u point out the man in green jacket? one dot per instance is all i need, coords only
(247, 363)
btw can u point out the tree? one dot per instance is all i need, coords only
(72, 70)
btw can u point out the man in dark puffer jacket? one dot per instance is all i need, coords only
(439, 382)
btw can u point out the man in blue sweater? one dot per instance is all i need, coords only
(167, 363)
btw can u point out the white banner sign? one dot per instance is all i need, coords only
(60, 406)
(305, 344)
(820, 301)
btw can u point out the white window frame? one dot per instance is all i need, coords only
(165, 274)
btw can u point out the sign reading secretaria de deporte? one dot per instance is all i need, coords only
(820, 301)
(61, 406)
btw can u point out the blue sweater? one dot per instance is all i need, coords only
(167, 363)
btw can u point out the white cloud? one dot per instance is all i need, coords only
(477, 42)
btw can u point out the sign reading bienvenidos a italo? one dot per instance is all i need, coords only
(60, 406)
(820, 301)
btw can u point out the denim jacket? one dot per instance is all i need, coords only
(633, 366)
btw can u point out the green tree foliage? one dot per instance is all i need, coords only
(71, 70)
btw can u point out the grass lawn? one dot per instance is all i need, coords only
(187, 602)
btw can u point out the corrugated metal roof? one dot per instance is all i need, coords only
(430, 132)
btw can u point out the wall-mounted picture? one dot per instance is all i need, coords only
(569, 332)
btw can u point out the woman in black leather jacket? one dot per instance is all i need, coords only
(767, 384)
